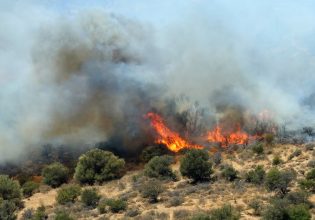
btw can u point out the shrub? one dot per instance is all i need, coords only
(8, 209)
(133, 212)
(40, 213)
(90, 198)
(27, 214)
(277, 210)
(269, 138)
(227, 212)
(195, 164)
(298, 198)
(200, 216)
(311, 175)
(55, 174)
(217, 158)
(299, 212)
(258, 148)
(29, 187)
(9, 189)
(296, 153)
(98, 165)
(151, 190)
(116, 205)
(159, 167)
(68, 194)
(256, 206)
(276, 160)
(63, 215)
(176, 201)
(256, 176)
(308, 185)
(152, 151)
(311, 164)
(229, 173)
(278, 181)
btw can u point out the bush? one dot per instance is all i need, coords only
(299, 212)
(40, 213)
(269, 138)
(256, 206)
(159, 167)
(276, 160)
(29, 187)
(298, 198)
(256, 175)
(296, 153)
(152, 151)
(258, 148)
(308, 185)
(176, 201)
(114, 205)
(68, 194)
(133, 212)
(98, 166)
(217, 158)
(55, 174)
(151, 190)
(311, 164)
(63, 215)
(227, 212)
(229, 173)
(277, 210)
(90, 198)
(8, 209)
(278, 181)
(311, 175)
(195, 164)
(10, 189)
(27, 214)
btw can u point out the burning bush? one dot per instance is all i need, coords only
(159, 167)
(55, 174)
(98, 166)
(196, 165)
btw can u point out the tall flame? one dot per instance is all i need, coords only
(171, 139)
(237, 137)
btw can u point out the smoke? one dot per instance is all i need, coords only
(84, 76)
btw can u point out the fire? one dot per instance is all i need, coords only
(237, 137)
(171, 139)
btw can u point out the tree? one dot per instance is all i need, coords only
(98, 166)
(159, 167)
(55, 174)
(278, 181)
(196, 165)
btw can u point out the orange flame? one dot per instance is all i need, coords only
(237, 137)
(171, 139)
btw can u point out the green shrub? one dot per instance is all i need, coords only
(159, 167)
(55, 174)
(200, 216)
(40, 213)
(258, 148)
(63, 215)
(98, 166)
(308, 185)
(269, 138)
(278, 181)
(256, 175)
(10, 189)
(299, 212)
(311, 175)
(151, 190)
(90, 198)
(8, 209)
(227, 212)
(116, 205)
(68, 194)
(29, 187)
(195, 164)
(298, 198)
(229, 173)
(277, 210)
(152, 151)
(276, 160)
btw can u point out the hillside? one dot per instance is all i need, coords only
(181, 199)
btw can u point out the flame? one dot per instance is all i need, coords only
(171, 139)
(237, 137)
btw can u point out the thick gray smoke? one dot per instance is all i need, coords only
(84, 77)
